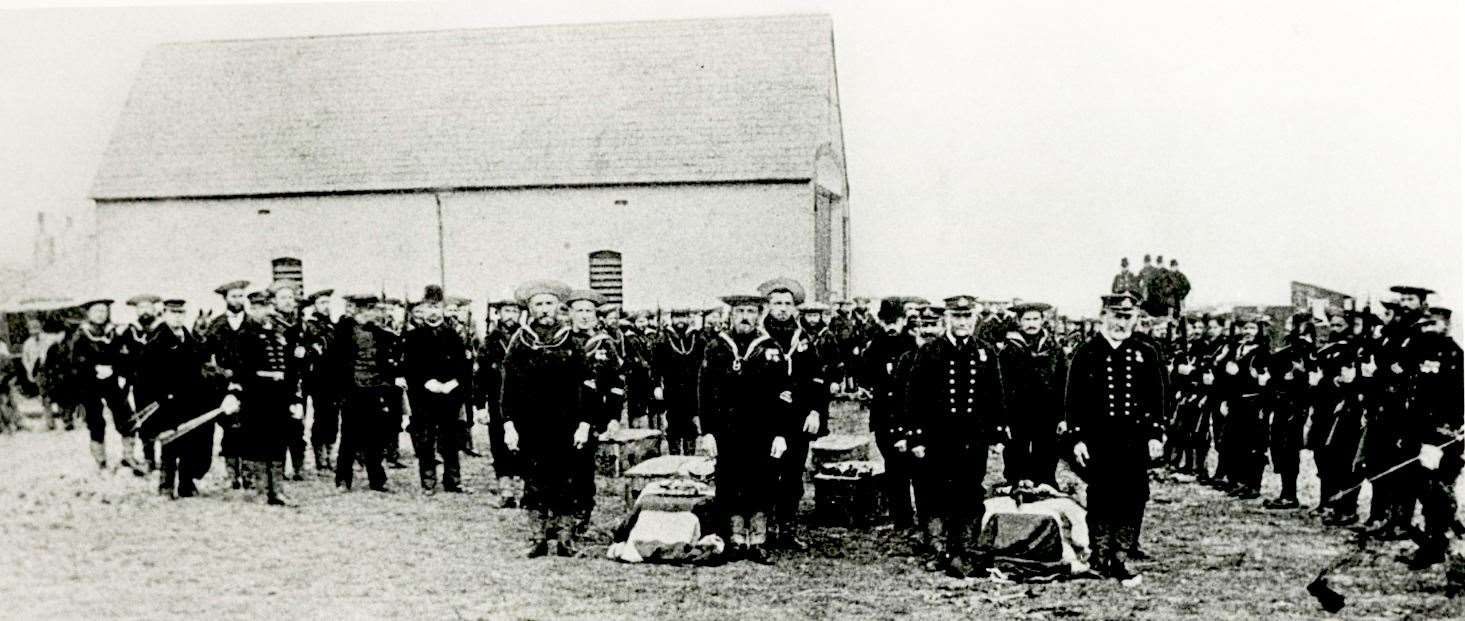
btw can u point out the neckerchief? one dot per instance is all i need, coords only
(740, 358)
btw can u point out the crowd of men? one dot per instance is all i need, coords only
(752, 381)
(1161, 290)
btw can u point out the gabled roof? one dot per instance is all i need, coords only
(644, 102)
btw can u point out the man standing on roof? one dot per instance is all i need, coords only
(1115, 412)
(547, 386)
(1033, 371)
(748, 407)
(97, 358)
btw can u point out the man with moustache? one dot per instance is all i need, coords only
(887, 407)
(172, 363)
(225, 339)
(676, 360)
(546, 395)
(284, 299)
(811, 397)
(1114, 407)
(130, 343)
(272, 395)
(434, 363)
(97, 359)
(902, 472)
(318, 331)
(488, 384)
(748, 407)
(364, 365)
(1437, 417)
(1033, 371)
(957, 410)
(606, 396)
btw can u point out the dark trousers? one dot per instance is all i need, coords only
(1032, 453)
(1336, 466)
(391, 425)
(1382, 449)
(789, 488)
(897, 481)
(1437, 498)
(325, 422)
(361, 423)
(106, 392)
(506, 463)
(1245, 442)
(185, 460)
(1118, 490)
(435, 431)
(953, 497)
(1286, 446)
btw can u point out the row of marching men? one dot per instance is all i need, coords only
(1374, 397)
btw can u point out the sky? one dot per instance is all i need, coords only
(1002, 149)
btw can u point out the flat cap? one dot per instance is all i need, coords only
(585, 295)
(145, 298)
(930, 314)
(782, 283)
(284, 284)
(103, 301)
(507, 303)
(813, 307)
(527, 291)
(742, 299)
(962, 304)
(323, 293)
(1411, 290)
(1440, 311)
(225, 288)
(860, 300)
(457, 300)
(362, 299)
(1023, 307)
(175, 303)
(259, 297)
(1124, 301)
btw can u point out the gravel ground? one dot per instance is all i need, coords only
(78, 544)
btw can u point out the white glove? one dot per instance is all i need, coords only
(1081, 453)
(709, 445)
(299, 351)
(1429, 456)
(779, 446)
(1208, 378)
(433, 385)
(449, 386)
(811, 423)
(1263, 378)
(900, 445)
(297, 411)
(834, 389)
(1185, 369)
(657, 394)
(104, 371)
(1315, 377)
(612, 427)
(1232, 368)
(786, 396)
(582, 435)
(1157, 449)
(1369, 368)
(480, 416)
(400, 382)
(1225, 407)
(511, 437)
(122, 382)
(230, 405)
(1347, 374)
(919, 452)
(1398, 370)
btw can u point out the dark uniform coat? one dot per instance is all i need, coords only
(173, 365)
(1034, 371)
(547, 390)
(746, 401)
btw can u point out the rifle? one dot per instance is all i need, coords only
(170, 435)
(144, 414)
(1385, 473)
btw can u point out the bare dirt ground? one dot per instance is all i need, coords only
(77, 544)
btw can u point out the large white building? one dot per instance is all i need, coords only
(669, 162)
